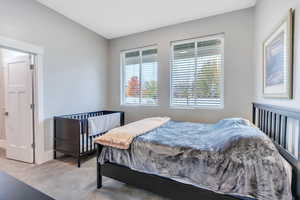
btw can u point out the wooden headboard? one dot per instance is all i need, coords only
(282, 125)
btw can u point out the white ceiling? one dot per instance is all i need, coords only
(116, 18)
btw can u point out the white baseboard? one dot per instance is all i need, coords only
(3, 144)
(47, 156)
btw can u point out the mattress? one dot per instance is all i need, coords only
(230, 157)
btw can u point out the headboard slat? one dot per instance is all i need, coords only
(284, 132)
(298, 139)
(280, 130)
(265, 122)
(258, 117)
(277, 138)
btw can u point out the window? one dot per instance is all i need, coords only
(139, 77)
(197, 73)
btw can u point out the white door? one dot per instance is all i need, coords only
(19, 114)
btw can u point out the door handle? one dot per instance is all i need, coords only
(6, 113)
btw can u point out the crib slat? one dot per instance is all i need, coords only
(91, 142)
(87, 141)
(82, 142)
(87, 134)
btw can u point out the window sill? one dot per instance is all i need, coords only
(195, 107)
(139, 105)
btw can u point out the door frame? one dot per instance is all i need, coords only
(41, 155)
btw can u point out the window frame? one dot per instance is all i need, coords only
(220, 37)
(122, 77)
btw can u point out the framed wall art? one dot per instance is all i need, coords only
(278, 61)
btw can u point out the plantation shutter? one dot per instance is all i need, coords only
(197, 78)
(140, 77)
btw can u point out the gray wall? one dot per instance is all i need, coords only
(75, 62)
(268, 15)
(238, 28)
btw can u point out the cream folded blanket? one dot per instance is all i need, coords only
(122, 137)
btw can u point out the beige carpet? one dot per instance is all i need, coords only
(62, 180)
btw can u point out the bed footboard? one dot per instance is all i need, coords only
(157, 184)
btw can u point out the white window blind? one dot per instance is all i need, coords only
(197, 73)
(139, 74)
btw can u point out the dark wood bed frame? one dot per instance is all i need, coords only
(272, 120)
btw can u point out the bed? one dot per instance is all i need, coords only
(143, 166)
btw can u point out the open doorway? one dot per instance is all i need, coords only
(17, 104)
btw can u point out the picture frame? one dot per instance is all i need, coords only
(278, 60)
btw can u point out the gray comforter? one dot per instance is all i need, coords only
(229, 157)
